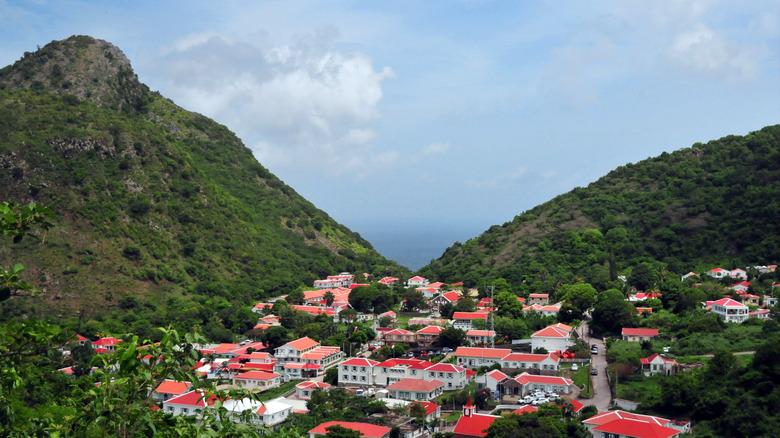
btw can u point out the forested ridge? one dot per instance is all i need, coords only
(695, 208)
(156, 203)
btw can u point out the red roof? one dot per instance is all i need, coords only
(525, 409)
(725, 302)
(528, 357)
(608, 416)
(497, 375)
(494, 353)
(637, 428)
(551, 332)
(366, 430)
(360, 362)
(526, 378)
(451, 296)
(430, 407)
(469, 315)
(431, 330)
(303, 343)
(257, 375)
(445, 368)
(312, 384)
(475, 425)
(418, 385)
(108, 341)
(647, 360)
(193, 398)
(639, 332)
(173, 387)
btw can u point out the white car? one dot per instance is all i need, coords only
(574, 367)
(540, 401)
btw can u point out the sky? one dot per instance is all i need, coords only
(421, 123)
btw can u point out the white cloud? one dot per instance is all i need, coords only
(436, 149)
(302, 102)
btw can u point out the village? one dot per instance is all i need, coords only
(418, 356)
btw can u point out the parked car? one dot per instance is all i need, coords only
(540, 401)
(575, 367)
(594, 371)
(446, 350)
(594, 349)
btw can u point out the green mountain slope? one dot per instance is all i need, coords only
(714, 203)
(154, 200)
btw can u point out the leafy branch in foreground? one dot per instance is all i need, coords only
(17, 222)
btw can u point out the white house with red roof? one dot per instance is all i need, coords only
(389, 281)
(357, 371)
(690, 274)
(367, 430)
(269, 413)
(394, 370)
(476, 357)
(432, 410)
(657, 364)
(480, 337)
(472, 424)
(638, 334)
(304, 358)
(170, 388)
(464, 320)
(453, 376)
(738, 273)
(189, 403)
(530, 382)
(742, 286)
(718, 272)
(304, 390)
(729, 310)
(492, 380)
(544, 309)
(417, 281)
(106, 345)
(626, 424)
(428, 335)
(78, 339)
(257, 380)
(552, 338)
(549, 363)
(343, 279)
(416, 389)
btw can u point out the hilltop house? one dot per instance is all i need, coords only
(638, 334)
(729, 310)
(657, 364)
(552, 338)
(463, 320)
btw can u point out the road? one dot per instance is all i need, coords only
(602, 397)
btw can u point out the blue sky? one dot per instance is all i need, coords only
(418, 124)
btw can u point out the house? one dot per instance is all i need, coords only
(444, 298)
(544, 309)
(633, 428)
(304, 390)
(476, 357)
(366, 430)
(399, 336)
(718, 273)
(343, 279)
(638, 334)
(429, 321)
(644, 310)
(492, 379)
(541, 363)
(78, 339)
(257, 380)
(168, 389)
(690, 274)
(750, 299)
(395, 370)
(541, 299)
(389, 281)
(472, 424)
(738, 273)
(552, 338)
(270, 413)
(453, 376)
(742, 286)
(428, 335)
(760, 314)
(432, 410)
(416, 389)
(529, 382)
(480, 337)
(357, 371)
(106, 345)
(463, 320)
(641, 296)
(607, 417)
(657, 364)
(189, 403)
(729, 310)
(417, 281)
(527, 409)
(292, 351)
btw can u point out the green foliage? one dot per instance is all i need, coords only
(694, 208)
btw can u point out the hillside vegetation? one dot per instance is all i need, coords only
(695, 208)
(155, 202)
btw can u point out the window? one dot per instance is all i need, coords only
(363, 378)
(184, 410)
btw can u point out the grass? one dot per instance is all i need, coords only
(640, 388)
(278, 391)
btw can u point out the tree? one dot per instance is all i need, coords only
(642, 277)
(611, 312)
(329, 298)
(451, 337)
(361, 299)
(415, 300)
(295, 297)
(580, 295)
(275, 336)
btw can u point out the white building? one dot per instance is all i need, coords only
(357, 371)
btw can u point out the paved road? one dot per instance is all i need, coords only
(602, 397)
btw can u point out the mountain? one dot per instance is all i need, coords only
(155, 202)
(709, 204)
